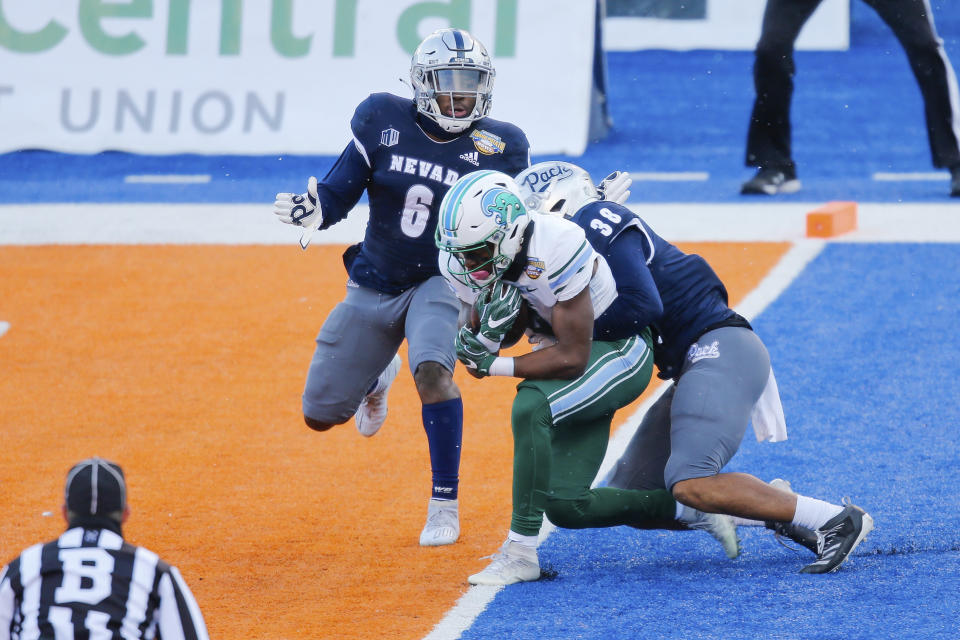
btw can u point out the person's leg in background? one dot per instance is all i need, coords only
(769, 133)
(913, 25)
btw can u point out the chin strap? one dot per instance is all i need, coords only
(433, 128)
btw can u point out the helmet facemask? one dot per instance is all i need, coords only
(481, 265)
(450, 65)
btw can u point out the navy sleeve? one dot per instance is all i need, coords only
(638, 302)
(520, 156)
(343, 185)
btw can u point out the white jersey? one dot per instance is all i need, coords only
(560, 264)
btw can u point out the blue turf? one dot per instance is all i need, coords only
(870, 382)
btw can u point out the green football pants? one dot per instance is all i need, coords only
(560, 433)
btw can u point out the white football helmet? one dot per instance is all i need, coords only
(481, 226)
(452, 62)
(555, 187)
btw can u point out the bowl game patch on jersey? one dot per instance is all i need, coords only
(534, 268)
(487, 143)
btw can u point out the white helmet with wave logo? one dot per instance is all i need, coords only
(481, 227)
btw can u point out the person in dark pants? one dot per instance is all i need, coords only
(768, 139)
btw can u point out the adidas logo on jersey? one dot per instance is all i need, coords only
(472, 157)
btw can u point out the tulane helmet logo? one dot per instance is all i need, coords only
(502, 205)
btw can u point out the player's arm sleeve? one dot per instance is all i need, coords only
(178, 616)
(7, 604)
(343, 185)
(638, 302)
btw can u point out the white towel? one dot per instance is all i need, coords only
(767, 415)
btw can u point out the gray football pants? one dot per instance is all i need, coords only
(697, 425)
(361, 336)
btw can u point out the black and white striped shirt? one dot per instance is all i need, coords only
(90, 584)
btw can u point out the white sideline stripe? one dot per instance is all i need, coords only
(168, 178)
(245, 224)
(909, 176)
(126, 223)
(670, 176)
(463, 614)
(4, 327)
(779, 278)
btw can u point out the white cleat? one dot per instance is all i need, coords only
(514, 563)
(719, 526)
(373, 410)
(443, 523)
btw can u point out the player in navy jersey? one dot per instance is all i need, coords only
(720, 368)
(405, 154)
(89, 583)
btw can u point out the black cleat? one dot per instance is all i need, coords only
(838, 537)
(801, 535)
(955, 181)
(771, 182)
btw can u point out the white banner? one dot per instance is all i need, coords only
(269, 76)
(729, 24)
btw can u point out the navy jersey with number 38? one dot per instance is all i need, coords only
(693, 298)
(406, 174)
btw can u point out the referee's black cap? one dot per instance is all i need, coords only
(95, 487)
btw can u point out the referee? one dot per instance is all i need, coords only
(89, 583)
(768, 139)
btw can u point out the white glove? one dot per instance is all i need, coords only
(302, 210)
(615, 187)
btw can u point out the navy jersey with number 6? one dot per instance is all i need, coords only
(679, 294)
(406, 174)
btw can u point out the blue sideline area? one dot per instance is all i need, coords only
(855, 113)
(871, 413)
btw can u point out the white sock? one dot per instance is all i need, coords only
(688, 514)
(812, 513)
(378, 384)
(747, 522)
(527, 541)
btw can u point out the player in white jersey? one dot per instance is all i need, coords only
(495, 254)
(556, 242)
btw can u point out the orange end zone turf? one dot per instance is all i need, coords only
(832, 219)
(185, 365)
